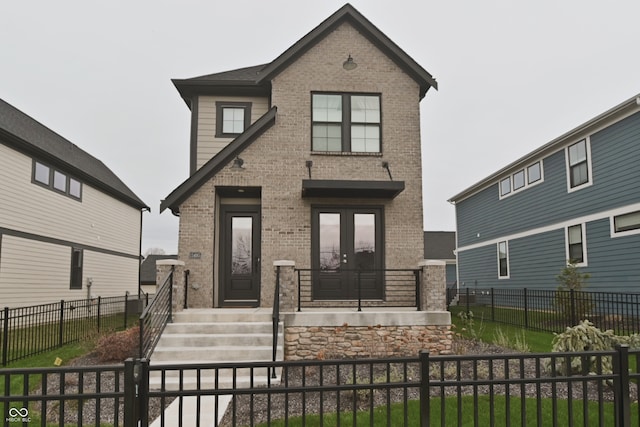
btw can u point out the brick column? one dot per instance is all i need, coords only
(288, 285)
(163, 267)
(434, 286)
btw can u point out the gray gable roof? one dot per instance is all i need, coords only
(439, 245)
(148, 268)
(27, 135)
(257, 79)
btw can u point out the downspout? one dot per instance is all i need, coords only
(146, 208)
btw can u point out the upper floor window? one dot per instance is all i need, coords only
(57, 180)
(578, 164)
(576, 245)
(625, 224)
(232, 118)
(521, 179)
(346, 123)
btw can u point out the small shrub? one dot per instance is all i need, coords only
(519, 343)
(118, 346)
(469, 326)
(570, 278)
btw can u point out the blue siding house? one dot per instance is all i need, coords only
(576, 198)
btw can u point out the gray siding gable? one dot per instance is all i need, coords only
(615, 154)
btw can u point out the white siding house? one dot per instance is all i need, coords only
(66, 220)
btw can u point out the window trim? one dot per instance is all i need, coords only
(583, 236)
(220, 106)
(506, 246)
(589, 182)
(527, 184)
(615, 233)
(76, 272)
(51, 184)
(346, 124)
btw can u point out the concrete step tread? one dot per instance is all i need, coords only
(200, 335)
(214, 347)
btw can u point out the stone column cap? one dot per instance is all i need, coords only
(428, 262)
(169, 262)
(284, 263)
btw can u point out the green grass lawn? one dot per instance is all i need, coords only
(486, 330)
(468, 410)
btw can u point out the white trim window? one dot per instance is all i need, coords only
(521, 179)
(579, 172)
(625, 224)
(503, 260)
(576, 244)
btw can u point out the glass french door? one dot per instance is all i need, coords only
(347, 253)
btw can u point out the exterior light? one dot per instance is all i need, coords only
(237, 163)
(349, 64)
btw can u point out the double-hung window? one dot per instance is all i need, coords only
(232, 118)
(578, 164)
(503, 260)
(345, 123)
(576, 245)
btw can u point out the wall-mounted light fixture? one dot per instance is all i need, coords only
(349, 64)
(237, 163)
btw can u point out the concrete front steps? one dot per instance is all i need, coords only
(204, 336)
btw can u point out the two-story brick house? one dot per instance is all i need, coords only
(313, 158)
(574, 198)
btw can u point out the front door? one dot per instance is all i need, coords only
(239, 256)
(347, 253)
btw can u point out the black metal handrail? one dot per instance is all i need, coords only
(156, 315)
(275, 318)
(400, 288)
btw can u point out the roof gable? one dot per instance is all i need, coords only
(348, 13)
(25, 134)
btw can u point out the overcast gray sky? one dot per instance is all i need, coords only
(513, 75)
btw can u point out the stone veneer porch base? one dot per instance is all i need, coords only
(328, 334)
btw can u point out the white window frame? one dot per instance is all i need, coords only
(506, 243)
(583, 233)
(615, 233)
(526, 185)
(587, 141)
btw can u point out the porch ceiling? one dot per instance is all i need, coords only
(351, 189)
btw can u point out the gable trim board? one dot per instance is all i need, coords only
(219, 161)
(600, 122)
(608, 214)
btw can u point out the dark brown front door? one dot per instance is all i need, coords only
(347, 253)
(240, 256)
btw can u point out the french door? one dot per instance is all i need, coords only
(347, 253)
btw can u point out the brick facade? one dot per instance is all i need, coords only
(275, 162)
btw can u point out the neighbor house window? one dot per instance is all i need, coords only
(578, 164)
(576, 252)
(503, 260)
(76, 268)
(55, 179)
(232, 118)
(625, 224)
(518, 181)
(345, 123)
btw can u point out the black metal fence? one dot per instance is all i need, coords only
(551, 389)
(552, 310)
(389, 287)
(26, 331)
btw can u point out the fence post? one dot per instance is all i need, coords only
(98, 314)
(5, 336)
(126, 308)
(61, 327)
(526, 309)
(621, 386)
(424, 389)
(467, 289)
(572, 302)
(130, 395)
(493, 306)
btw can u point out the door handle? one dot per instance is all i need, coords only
(344, 258)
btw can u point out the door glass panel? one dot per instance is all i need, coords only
(241, 245)
(329, 241)
(364, 241)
